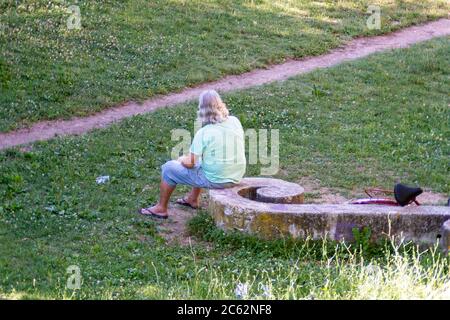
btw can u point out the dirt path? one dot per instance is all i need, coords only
(174, 228)
(355, 49)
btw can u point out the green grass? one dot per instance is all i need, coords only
(136, 49)
(369, 122)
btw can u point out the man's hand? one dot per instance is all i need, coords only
(188, 161)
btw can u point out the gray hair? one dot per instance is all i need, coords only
(211, 108)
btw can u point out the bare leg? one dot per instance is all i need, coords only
(193, 196)
(165, 191)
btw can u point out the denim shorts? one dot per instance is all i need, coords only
(173, 173)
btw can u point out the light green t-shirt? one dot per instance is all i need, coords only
(222, 151)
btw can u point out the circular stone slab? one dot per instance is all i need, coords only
(265, 190)
(281, 192)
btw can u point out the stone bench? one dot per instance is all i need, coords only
(273, 208)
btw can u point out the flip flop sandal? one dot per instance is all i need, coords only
(148, 212)
(183, 202)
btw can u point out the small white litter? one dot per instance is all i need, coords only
(102, 179)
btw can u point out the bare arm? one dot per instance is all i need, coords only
(189, 160)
